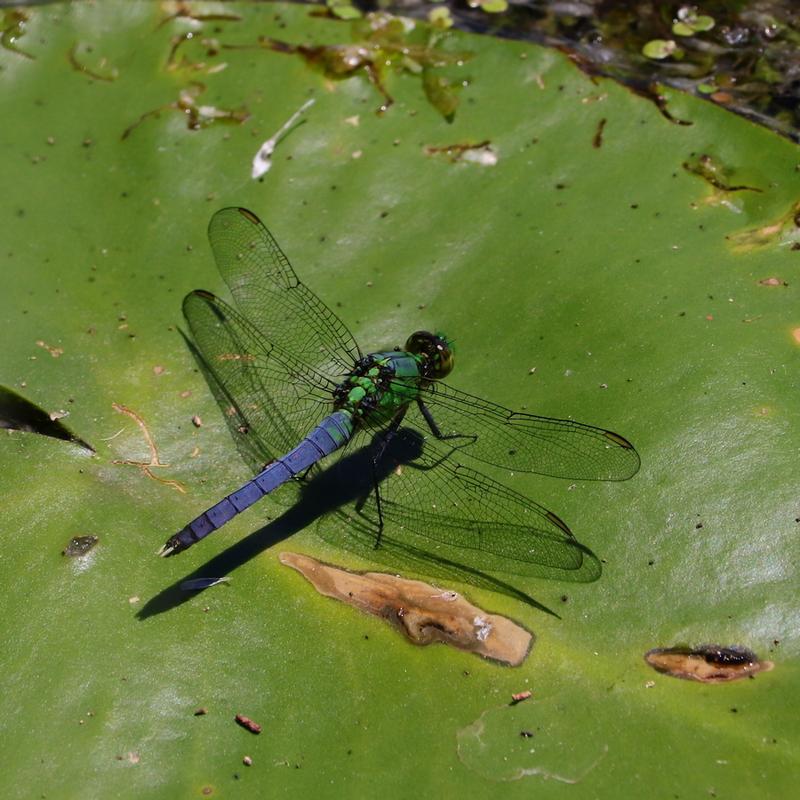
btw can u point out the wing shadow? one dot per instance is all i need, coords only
(331, 490)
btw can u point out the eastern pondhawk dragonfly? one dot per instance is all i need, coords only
(296, 388)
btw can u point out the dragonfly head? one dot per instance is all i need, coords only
(438, 352)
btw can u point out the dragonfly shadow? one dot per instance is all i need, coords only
(337, 489)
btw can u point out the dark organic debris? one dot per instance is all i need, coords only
(708, 663)
(705, 167)
(480, 153)
(382, 43)
(597, 141)
(79, 546)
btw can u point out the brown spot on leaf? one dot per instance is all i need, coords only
(708, 663)
(422, 612)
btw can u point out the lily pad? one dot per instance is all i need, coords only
(582, 270)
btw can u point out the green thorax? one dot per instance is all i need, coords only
(380, 385)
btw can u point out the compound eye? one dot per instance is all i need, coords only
(442, 360)
(436, 349)
(420, 342)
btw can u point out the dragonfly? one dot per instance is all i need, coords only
(297, 389)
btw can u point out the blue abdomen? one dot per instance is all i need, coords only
(333, 432)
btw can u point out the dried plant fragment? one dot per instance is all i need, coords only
(197, 116)
(420, 611)
(708, 663)
(715, 174)
(54, 351)
(262, 162)
(248, 724)
(12, 28)
(382, 43)
(481, 153)
(209, 44)
(184, 10)
(518, 697)
(146, 467)
(101, 73)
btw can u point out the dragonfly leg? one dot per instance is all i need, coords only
(377, 489)
(425, 411)
(386, 439)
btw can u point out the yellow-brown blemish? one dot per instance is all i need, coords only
(54, 351)
(784, 231)
(422, 612)
(146, 467)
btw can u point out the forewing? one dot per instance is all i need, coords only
(528, 443)
(270, 399)
(269, 294)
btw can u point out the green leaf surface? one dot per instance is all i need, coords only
(598, 261)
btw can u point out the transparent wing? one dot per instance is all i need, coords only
(270, 399)
(457, 513)
(269, 294)
(525, 442)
